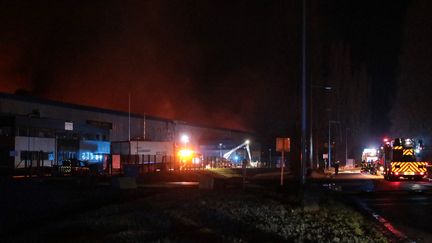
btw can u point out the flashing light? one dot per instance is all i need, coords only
(236, 158)
(417, 150)
(185, 153)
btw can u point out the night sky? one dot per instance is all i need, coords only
(219, 63)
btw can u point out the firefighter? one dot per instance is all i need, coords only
(336, 166)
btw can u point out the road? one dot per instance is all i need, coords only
(403, 207)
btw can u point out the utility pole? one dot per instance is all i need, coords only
(329, 142)
(129, 117)
(329, 146)
(311, 123)
(304, 86)
(346, 145)
(270, 158)
(144, 127)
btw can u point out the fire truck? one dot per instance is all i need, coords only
(400, 160)
(189, 159)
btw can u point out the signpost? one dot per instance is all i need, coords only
(282, 145)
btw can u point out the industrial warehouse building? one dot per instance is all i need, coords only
(36, 132)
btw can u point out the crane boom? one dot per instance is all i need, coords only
(245, 144)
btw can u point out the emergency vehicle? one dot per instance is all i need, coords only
(371, 161)
(370, 155)
(189, 159)
(400, 160)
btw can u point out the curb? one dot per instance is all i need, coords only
(398, 235)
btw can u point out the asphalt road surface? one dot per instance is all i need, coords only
(403, 207)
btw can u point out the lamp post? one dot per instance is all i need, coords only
(270, 158)
(346, 145)
(304, 103)
(311, 133)
(220, 151)
(28, 157)
(329, 142)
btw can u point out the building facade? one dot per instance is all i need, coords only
(44, 132)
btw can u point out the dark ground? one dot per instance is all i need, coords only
(70, 211)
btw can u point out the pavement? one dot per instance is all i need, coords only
(344, 174)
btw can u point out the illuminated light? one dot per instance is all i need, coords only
(196, 160)
(381, 168)
(184, 138)
(247, 141)
(89, 156)
(407, 141)
(421, 173)
(385, 140)
(236, 158)
(185, 153)
(396, 173)
(370, 151)
(417, 150)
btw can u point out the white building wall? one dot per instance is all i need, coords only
(33, 144)
(143, 148)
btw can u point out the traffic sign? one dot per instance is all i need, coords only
(283, 144)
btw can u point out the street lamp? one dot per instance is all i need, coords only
(311, 142)
(220, 150)
(329, 142)
(270, 158)
(304, 103)
(346, 145)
